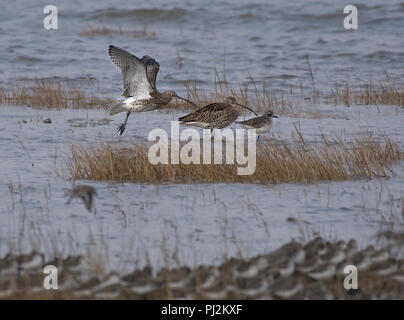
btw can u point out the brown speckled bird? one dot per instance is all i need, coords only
(139, 85)
(216, 115)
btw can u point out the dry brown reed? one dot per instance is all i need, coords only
(260, 99)
(275, 163)
(52, 93)
(55, 93)
(386, 93)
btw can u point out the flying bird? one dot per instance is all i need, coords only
(139, 85)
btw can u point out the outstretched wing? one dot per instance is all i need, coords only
(152, 68)
(134, 74)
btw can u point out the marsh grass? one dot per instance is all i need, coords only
(276, 162)
(297, 102)
(102, 30)
(54, 93)
(98, 263)
(294, 102)
(385, 93)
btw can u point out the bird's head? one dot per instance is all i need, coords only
(269, 114)
(172, 94)
(230, 100)
(168, 95)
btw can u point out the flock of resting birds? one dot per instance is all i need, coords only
(141, 94)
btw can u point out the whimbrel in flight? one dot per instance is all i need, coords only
(262, 124)
(83, 192)
(216, 115)
(139, 85)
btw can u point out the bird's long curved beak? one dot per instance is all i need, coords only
(275, 117)
(190, 102)
(246, 108)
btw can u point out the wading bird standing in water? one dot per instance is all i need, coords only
(216, 115)
(139, 85)
(262, 124)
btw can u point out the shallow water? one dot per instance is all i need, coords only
(191, 223)
(269, 40)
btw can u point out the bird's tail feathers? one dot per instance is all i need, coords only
(117, 108)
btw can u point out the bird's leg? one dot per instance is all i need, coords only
(122, 127)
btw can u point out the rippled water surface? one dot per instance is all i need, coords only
(195, 223)
(268, 39)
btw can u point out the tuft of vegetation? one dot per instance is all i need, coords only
(387, 93)
(261, 99)
(296, 102)
(52, 93)
(276, 162)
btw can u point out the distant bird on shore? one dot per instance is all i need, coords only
(139, 85)
(216, 115)
(83, 192)
(262, 124)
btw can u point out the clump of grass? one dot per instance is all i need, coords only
(260, 99)
(53, 93)
(102, 30)
(293, 103)
(313, 83)
(275, 163)
(387, 93)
